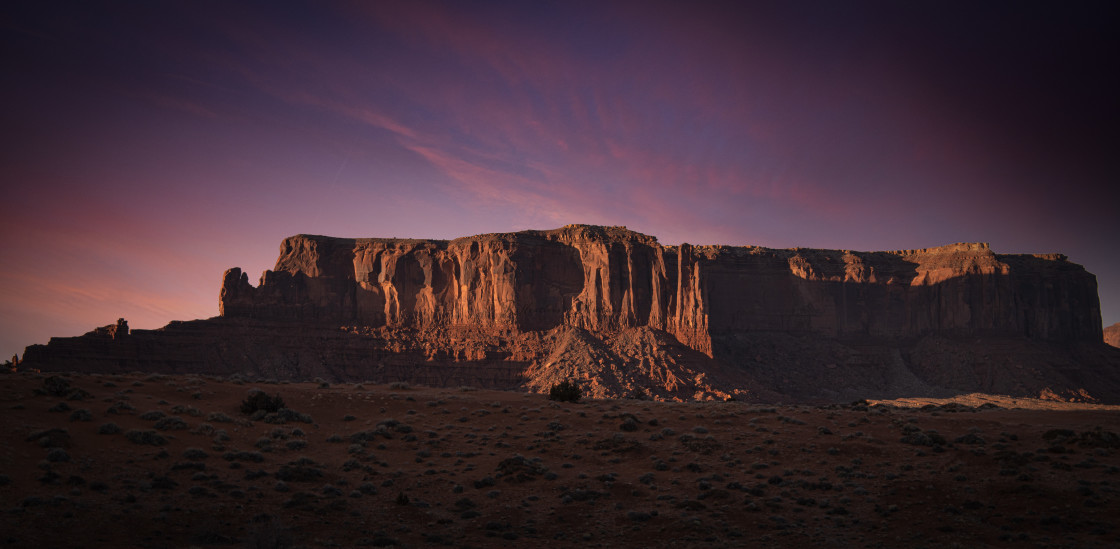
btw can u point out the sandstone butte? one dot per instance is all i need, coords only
(625, 316)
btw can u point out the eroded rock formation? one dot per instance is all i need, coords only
(1112, 335)
(628, 315)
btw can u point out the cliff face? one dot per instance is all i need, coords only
(594, 278)
(625, 315)
(606, 279)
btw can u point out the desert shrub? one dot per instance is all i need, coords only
(51, 438)
(565, 391)
(189, 410)
(108, 429)
(55, 386)
(121, 407)
(254, 457)
(191, 466)
(163, 483)
(57, 454)
(259, 400)
(81, 415)
(283, 415)
(153, 415)
(171, 423)
(518, 469)
(195, 454)
(299, 471)
(78, 394)
(920, 438)
(145, 437)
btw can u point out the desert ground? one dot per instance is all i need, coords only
(143, 460)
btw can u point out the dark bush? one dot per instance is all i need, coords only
(121, 407)
(565, 391)
(254, 457)
(56, 386)
(259, 400)
(283, 415)
(81, 415)
(145, 437)
(153, 415)
(171, 423)
(51, 438)
(195, 454)
(57, 454)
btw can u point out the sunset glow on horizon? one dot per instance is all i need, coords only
(148, 147)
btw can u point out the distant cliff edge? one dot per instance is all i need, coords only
(1112, 335)
(628, 316)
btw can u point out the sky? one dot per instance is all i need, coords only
(149, 146)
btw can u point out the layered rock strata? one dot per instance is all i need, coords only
(606, 279)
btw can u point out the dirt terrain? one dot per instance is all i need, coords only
(144, 460)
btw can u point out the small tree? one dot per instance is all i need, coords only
(565, 391)
(258, 400)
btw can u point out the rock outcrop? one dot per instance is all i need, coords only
(628, 315)
(1112, 335)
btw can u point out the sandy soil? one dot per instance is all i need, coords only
(416, 467)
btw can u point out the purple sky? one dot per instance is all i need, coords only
(149, 146)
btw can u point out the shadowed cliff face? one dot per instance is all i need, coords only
(602, 279)
(962, 289)
(623, 315)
